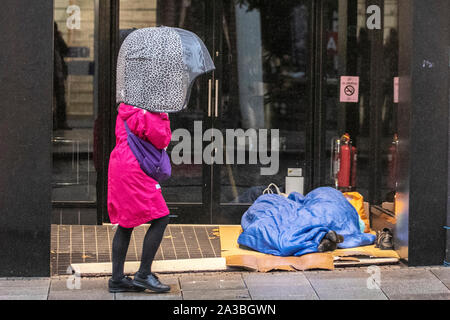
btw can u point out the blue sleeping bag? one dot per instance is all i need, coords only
(296, 225)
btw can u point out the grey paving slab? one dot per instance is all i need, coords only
(275, 290)
(285, 297)
(225, 294)
(25, 282)
(391, 288)
(412, 283)
(350, 284)
(429, 296)
(17, 291)
(64, 284)
(340, 284)
(85, 289)
(258, 293)
(24, 297)
(81, 295)
(222, 286)
(351, 294)
(407, 274)
(212, 282)
(24, 278)
(281, 278)
(24, 289)
(353, 285)
(338, 281)
(442, 274)
(173, 294)
(285, 286)
(354, 274)
(343, 285)
(148, 295)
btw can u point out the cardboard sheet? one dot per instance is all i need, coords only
(314, 261)
(257, 261)
(367, 251)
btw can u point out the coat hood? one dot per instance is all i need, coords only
(157, 67)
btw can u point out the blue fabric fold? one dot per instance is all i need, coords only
(296, 225)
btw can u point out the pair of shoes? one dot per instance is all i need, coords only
(330, 241)
(384, 239)
(123, 285)
(150, 282)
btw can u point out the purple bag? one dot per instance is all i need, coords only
(154, 162)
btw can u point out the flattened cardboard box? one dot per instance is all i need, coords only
(257, 261)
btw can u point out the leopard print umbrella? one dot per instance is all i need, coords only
(156, 68)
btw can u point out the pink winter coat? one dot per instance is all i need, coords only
(133, 197)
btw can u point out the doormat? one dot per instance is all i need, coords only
(261, 262)
(76, 244)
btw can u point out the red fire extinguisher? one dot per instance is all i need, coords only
(392, 163)
(346, 176)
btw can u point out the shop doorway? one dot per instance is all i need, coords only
(264, 82)
(270, 61)
(273, 102)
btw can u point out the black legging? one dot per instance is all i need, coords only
(151, 244)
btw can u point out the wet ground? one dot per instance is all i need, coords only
(366, 283)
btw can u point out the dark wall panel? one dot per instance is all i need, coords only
(423, 130)
(26, 80)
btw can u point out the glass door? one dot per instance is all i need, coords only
(270, 111)
(187, 193)
(263, 88)
(76, 153)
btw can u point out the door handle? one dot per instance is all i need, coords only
(209, 97)
(216, 105)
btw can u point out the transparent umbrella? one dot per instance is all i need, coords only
(157, 67)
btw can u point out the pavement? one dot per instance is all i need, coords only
(365, 283)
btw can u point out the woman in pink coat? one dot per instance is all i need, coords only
(156, 69)
(134, 198)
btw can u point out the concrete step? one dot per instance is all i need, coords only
(159, 266)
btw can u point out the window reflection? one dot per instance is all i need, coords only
(356, 119)
(187, 181)
(60, 72)
(75, 158)
(264, 85)
(390, 105)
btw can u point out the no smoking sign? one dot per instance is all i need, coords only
(349, 89)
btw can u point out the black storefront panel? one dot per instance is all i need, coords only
(26, 81)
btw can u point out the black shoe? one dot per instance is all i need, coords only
(326, 245)
(334, 237)
(385, 239)
(124, 285)
(377, 240)
(150, 282)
